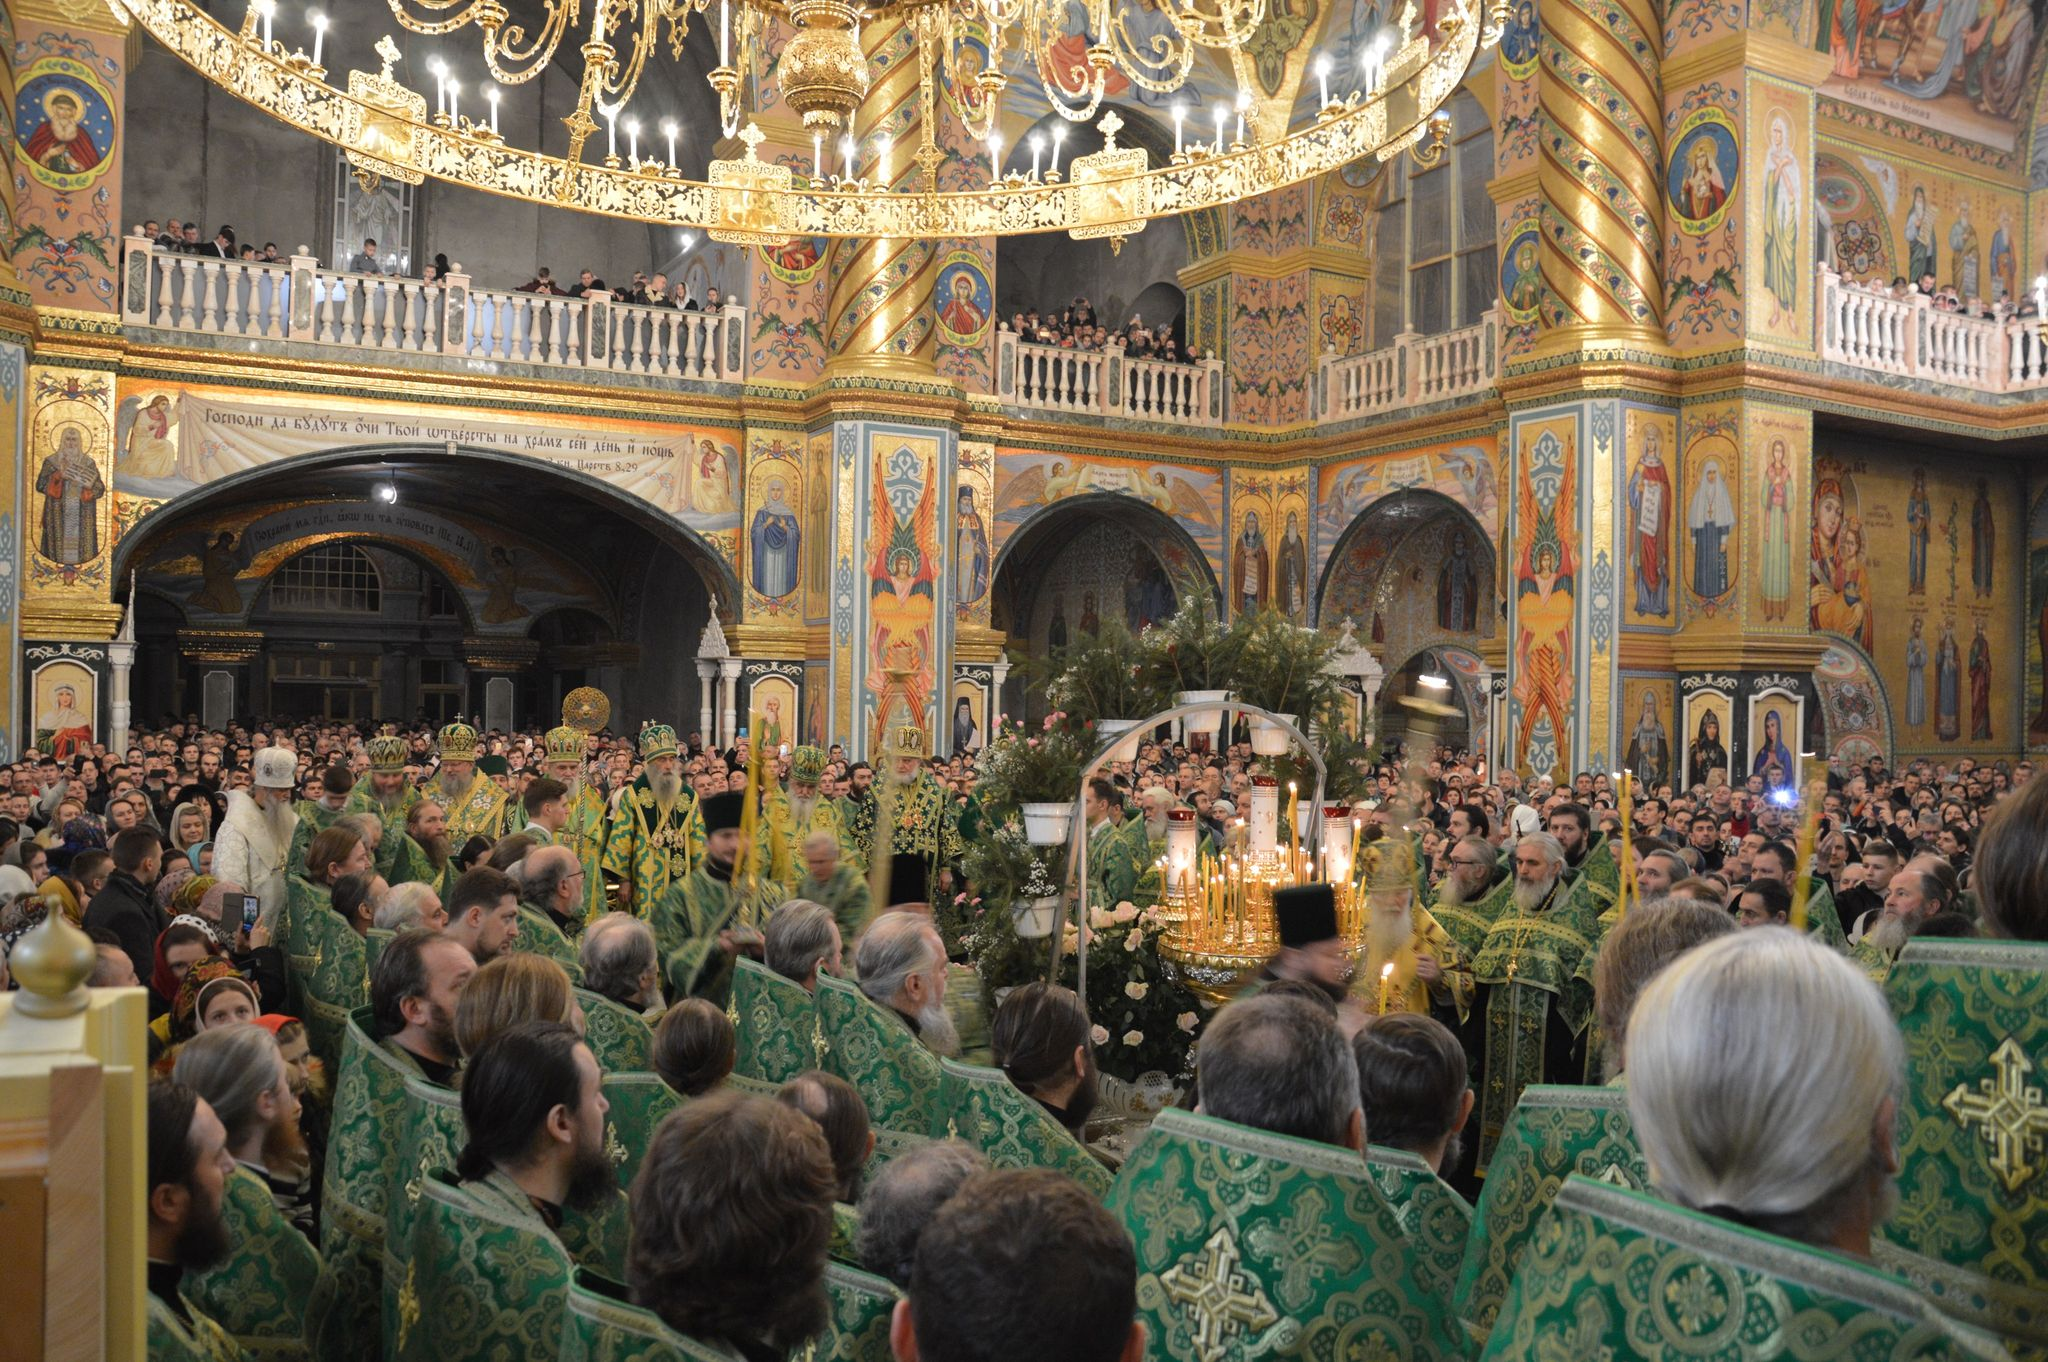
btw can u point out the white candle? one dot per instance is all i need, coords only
(668, 129)
(440, 72)
(597, 22)
(818, 155)
(1180, 114)
(1322, 81)
(1222, 116)
(633, 142)
(1037, 149)
(846, 147)
(491, 93)
(319, 34)
(724, 35)
(1238, 140)
(1059, 135)
(2041, 294)
(995, 157)
(268, 9)
(611, 135)
(453, 90)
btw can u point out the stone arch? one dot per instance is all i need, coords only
(1356, 566)
(718, 575)
(1460, 666)
(1856, 720)
(1166, 533)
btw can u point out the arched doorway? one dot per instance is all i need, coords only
(1465, 728)
(397, 583)
(1412, 571)
(1080, 561)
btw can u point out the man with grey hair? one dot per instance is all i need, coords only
(902, 965)
(1794, 1140)
(802, 941)
(550, 883)
(903, 1198)
(619, 961)
(367, 826)
(1281, 1064)
(409, 905)
(1530, 985)
(828, 878)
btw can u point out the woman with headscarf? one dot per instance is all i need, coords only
(24, 910)
(201, 856)
(213, 994)
(176, 874)
(217, 905)
(189, 825)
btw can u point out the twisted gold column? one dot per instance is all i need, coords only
(878, 312)
(1599, 98)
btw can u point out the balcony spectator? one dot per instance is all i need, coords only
(586, 283)
(543, 281)
(270, 255)
(656, 293)
(172, 236)
(365, 260)
(713, 299)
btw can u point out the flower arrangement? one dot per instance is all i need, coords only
(1023, 766)
(1285, 668)
(1102, 676)
(1192, 649)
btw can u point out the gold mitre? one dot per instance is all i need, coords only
(907, 740)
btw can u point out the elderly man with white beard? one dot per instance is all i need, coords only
(910, 814)
(256, 836)
(1410, 960)
(1468, 898)
(795, 817)
(384, 790)
(1913, 896)
(477, 805)
(651, 846)
(902, 966)
(1533, 1004)
(583, 830)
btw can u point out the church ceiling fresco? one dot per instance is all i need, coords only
(1028, 481)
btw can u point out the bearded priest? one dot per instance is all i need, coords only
(796, 816)
(650, 848)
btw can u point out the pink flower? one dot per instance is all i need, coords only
(1186, 1021)
(1099, 1034)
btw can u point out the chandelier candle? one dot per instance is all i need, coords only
(319, 21)
(491, 94)
(668, 130)
(633, 141)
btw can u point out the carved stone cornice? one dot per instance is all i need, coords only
(500, 654)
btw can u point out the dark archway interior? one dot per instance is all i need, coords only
(1397, 721)
(427, 650)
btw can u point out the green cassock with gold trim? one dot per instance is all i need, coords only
(1617, 1273)
(619, 1038)
(775, 1023)
(170, 1339)
(988, 1112)
(584, 833)
(921, 821)
(650, 849)
(1554, 1132)
(343, 1318)
(1973, 1130)
(687, 920)
(1436, 1219)
(872, 1048)
(1255, 1245)
(259, 1293)
(483, 809)
(1532, 1007)
(538, 934)
(487, 1280)
(330, 967)
(314, 819)
(1467, 923)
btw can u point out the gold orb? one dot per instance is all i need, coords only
(52, 963)
(822, 74)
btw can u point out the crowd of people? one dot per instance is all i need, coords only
(1077, 327)
(514, 891)
(646, 290)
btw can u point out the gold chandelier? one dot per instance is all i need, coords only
(822, 75)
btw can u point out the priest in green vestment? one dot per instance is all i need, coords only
(188, 1168)
(317, 815)
(1115, 862)
(385, 792)
(716, 911)
(551, 906)
(1469, 896)
(910, 813)
(794, 816)
(830, 878)
(587, 817)
(477, 806)
(1530, 1003)
(650, 848)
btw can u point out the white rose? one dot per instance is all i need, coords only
(1136, 991)
(1099, 1034)
(1133, 941)
(1186, 1021)
(1134, 1038)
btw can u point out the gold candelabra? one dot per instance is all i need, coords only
(821, 74)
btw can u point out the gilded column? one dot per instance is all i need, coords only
(1600, 172)
(878, 313)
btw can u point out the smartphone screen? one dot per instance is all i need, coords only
(252, 908)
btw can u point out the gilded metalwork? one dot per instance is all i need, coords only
(371, 121)
(2011, 1113)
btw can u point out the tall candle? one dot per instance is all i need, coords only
(668, 129)
(611, 135)
(633, 142)
(1059, 135)
(1386, 985)
(1322, 83)
(319, 34)
(492, 95)
(818, 155)
(1628, 860)
(1180, 114)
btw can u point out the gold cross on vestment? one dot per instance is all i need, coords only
(2012, 1113)
(1222, 1301)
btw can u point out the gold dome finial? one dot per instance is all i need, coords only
(52, 963)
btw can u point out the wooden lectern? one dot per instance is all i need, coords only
(73, 1150)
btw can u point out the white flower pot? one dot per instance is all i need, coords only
(1034, 919)
(1047, 825)
(1270, 739)
(1125, 749)
(1206, 721)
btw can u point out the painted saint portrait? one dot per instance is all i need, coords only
(1701, 177)
(963, 299)
(63, 123)
(72, 490)
(775, 542)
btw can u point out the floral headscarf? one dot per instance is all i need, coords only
(176, 874)
(192, 894)
(195, 851)
(185, 1011)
